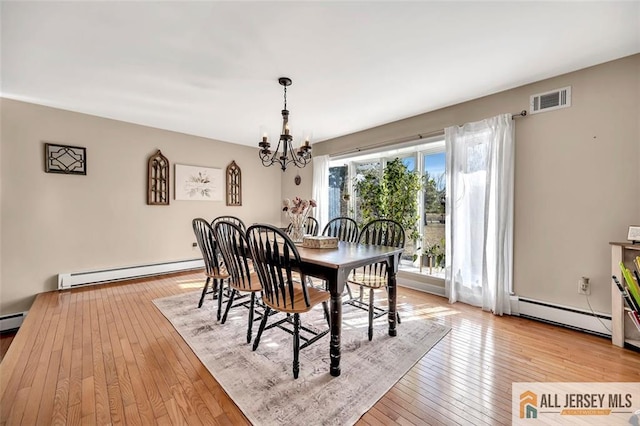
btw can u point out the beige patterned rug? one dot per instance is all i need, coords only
(261, 383)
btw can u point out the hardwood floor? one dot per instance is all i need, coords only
(5, 341)
(105, 354)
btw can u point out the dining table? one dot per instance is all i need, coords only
(334, 265)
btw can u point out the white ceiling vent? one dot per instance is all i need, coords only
(548, 101)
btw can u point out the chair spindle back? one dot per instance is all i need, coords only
(233, 245)
(380, 232)
(345, 228)
(233, 219)
(208, 246)
(274, 259)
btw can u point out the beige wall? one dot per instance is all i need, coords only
(577, 176)
(53, 223)
(291, 190)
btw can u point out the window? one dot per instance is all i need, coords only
(428, 159)
(338, 191)
(433, 196)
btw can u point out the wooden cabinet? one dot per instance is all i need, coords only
(623, 331)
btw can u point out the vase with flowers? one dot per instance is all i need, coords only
(297, 210)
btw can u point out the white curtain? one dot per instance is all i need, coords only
(321, 189)
(479, 213)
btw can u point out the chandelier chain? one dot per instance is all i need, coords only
(285, 97)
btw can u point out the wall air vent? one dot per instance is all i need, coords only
(548, 101)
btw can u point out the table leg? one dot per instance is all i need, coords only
(391, 288)
(336, 326)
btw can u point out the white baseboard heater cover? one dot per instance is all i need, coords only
(76, 279)
(566, 316)
(12, 322)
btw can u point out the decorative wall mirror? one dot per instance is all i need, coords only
(158, 182)
(234, 185)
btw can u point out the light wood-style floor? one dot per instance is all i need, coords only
(105, 355)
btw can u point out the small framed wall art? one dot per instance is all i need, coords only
(65, 159)
(234, 185)
(158, 180)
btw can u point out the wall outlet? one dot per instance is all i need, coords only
(584, 287)
(194, 245)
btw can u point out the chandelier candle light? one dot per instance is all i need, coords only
(289, 155)
(297, 210)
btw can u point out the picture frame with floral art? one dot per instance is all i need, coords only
(196, 183)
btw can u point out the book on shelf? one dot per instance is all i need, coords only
(625, 294)
(635, 317)
(632, 285)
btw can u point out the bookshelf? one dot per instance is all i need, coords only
(623, 331)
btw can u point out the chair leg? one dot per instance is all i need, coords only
(214, 286)
(220, 289)
(256, 342)
(349, 291)
(370, 314)
(296, 345)
(326, 313)
(250, 328)
(204, 292)
(229, 303)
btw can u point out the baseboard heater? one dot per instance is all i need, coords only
(11, 322)
(76, 279)
(590, 322)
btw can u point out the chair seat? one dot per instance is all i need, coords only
(367, 280)
(220, 273)
(315, 297)
(223, 275)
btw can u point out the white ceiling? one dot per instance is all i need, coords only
(211, 68)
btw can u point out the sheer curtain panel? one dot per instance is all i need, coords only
(321, 188)
(479, 213)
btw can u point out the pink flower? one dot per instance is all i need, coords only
(297, 206)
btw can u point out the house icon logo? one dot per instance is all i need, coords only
(528, 405)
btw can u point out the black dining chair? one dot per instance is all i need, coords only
(233, 219)
(213, 264)
(310, 226)
(345, 228)
(242, 278)
(379, 232)
(276, 261)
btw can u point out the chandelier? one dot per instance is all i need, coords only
(288, 154)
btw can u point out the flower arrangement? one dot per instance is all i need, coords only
(297, 210)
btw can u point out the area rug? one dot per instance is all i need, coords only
(261, 383)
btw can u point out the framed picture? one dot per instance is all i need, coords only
(198, 183)
(66, 159)
(634, 233)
